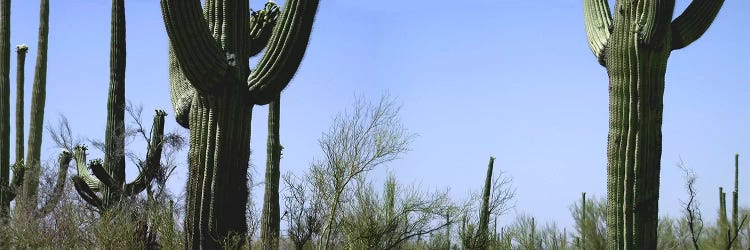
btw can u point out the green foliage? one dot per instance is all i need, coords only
(400, 215)
(590, 223)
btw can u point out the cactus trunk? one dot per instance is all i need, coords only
(213, 93)
(484, 214)
(20, 71)
(217, 195)
(114, 135)
(634, 143)
(270, 220)
(4, 108)
(634, 46)
(36, 124)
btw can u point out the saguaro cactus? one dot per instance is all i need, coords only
(634, 46)
(730, 232)
(484, 213)
(109, 176)
(270, 220)
(25, 176)
(4, 105)
(213, 91)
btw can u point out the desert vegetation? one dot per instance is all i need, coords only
(348, 196)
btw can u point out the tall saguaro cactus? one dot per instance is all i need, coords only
(109, 177)
(270, 217)
(36, 123)
(4, 105)
(213, 91)
(634, 46)
(25, 175)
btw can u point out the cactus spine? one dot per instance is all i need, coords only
(109, 177)
(270, 219)
(213, 92)
(634, 46)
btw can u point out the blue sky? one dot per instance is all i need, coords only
(510, 79)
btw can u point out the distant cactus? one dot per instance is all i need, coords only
(634, 46)
(484, 213)
(109, 176)
(213, 91)
(730, 232)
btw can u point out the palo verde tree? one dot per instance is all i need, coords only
(634, 45)
(109, 176)
(213, 92)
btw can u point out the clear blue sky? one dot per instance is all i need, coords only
(510, 79)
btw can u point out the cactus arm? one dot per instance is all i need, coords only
(84, 190)
(261, 27)
(284, 51)
(694, 21)
(20, 73)
(62, 174)
(38, 97)
(153, 157)
(181, 91)
(79, 155)
(598, 20)
(655, 20)
(201, 60)
(101, 174)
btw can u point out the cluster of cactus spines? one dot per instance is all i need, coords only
(270, 220)
(484, 213)
(108, 177)
(634, 46)
(213, 91)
